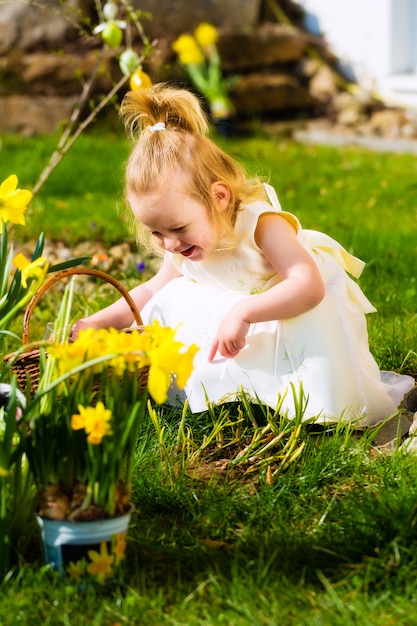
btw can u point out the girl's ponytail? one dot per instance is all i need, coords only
(177, 109)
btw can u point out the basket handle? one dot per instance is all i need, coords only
(68, 272)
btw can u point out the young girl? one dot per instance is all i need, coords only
(270, 305)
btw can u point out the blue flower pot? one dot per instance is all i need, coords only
(83, 551)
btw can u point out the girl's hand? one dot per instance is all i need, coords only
(231, 336)
(81, 324)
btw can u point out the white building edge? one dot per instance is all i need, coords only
(375, 40)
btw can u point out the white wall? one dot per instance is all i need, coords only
(375, 39)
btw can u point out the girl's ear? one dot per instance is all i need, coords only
(221, 193)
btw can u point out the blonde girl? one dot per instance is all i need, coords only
(270, 305)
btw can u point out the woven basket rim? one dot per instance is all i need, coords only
(26, 364)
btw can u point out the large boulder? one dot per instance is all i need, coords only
(268, 92)
(267, 45)
(26, 25)
(28, 116)
(169, 18)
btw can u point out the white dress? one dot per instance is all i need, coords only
(325, 349)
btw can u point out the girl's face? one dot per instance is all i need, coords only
(177, 222)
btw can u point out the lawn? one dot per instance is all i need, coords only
(325, 535)
(367, 201)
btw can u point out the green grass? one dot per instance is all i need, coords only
(81, 198)
(365, 200)
(330, 540)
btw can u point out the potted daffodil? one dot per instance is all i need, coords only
(80, 433)
(198, 55)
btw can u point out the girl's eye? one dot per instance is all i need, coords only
(156, 234)
(181, 229)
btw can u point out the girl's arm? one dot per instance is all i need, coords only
(118, 315)
(301, 287)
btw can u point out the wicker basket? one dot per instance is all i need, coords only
(26, 366)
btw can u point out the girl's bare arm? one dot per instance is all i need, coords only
(301, 287)
(118, 315)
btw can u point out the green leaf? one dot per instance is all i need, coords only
(70, 263)
(39, 247)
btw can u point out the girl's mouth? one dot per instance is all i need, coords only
(188, 252)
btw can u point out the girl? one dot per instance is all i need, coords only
(270, 305)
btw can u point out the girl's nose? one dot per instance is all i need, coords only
(170, 243)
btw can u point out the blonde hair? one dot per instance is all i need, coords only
(180, 144)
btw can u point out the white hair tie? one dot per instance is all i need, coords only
(158, 126)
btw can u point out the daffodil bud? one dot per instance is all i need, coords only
(112, 35)
(128, 61)
(140, 80)
(110, 11)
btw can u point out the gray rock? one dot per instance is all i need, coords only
(29, 115)
(410, 400)
(265, 46)
(24, 25)
(269, 91)
(393, 430)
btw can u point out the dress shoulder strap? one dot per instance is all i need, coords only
(272, 197)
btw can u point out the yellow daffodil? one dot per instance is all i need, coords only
(169, 353)
(101, 563)
(184, 366)
(139, 80)
(30, 269)
(199, 56)
(159, 381)
(68, 356)
(119, 548)
(155, 346)
(189, 53)
(76, 570)
(206, 34)
(128, 348)
(95, 421)
(13, 201)
(165, 361)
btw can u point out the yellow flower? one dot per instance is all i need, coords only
(123, 346)
(185, 365)
(169, 353)
(140, 80)
(155, 346)
(188, 50)
(206, 34)
(88, 345)
(159, 381)
(75, 570)
(13, 201)
(30, 269)
(167, 360)
(101, 563)
(160, 334)
(68, 356)
(119, 548)
(95, 421)
(183, 43)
